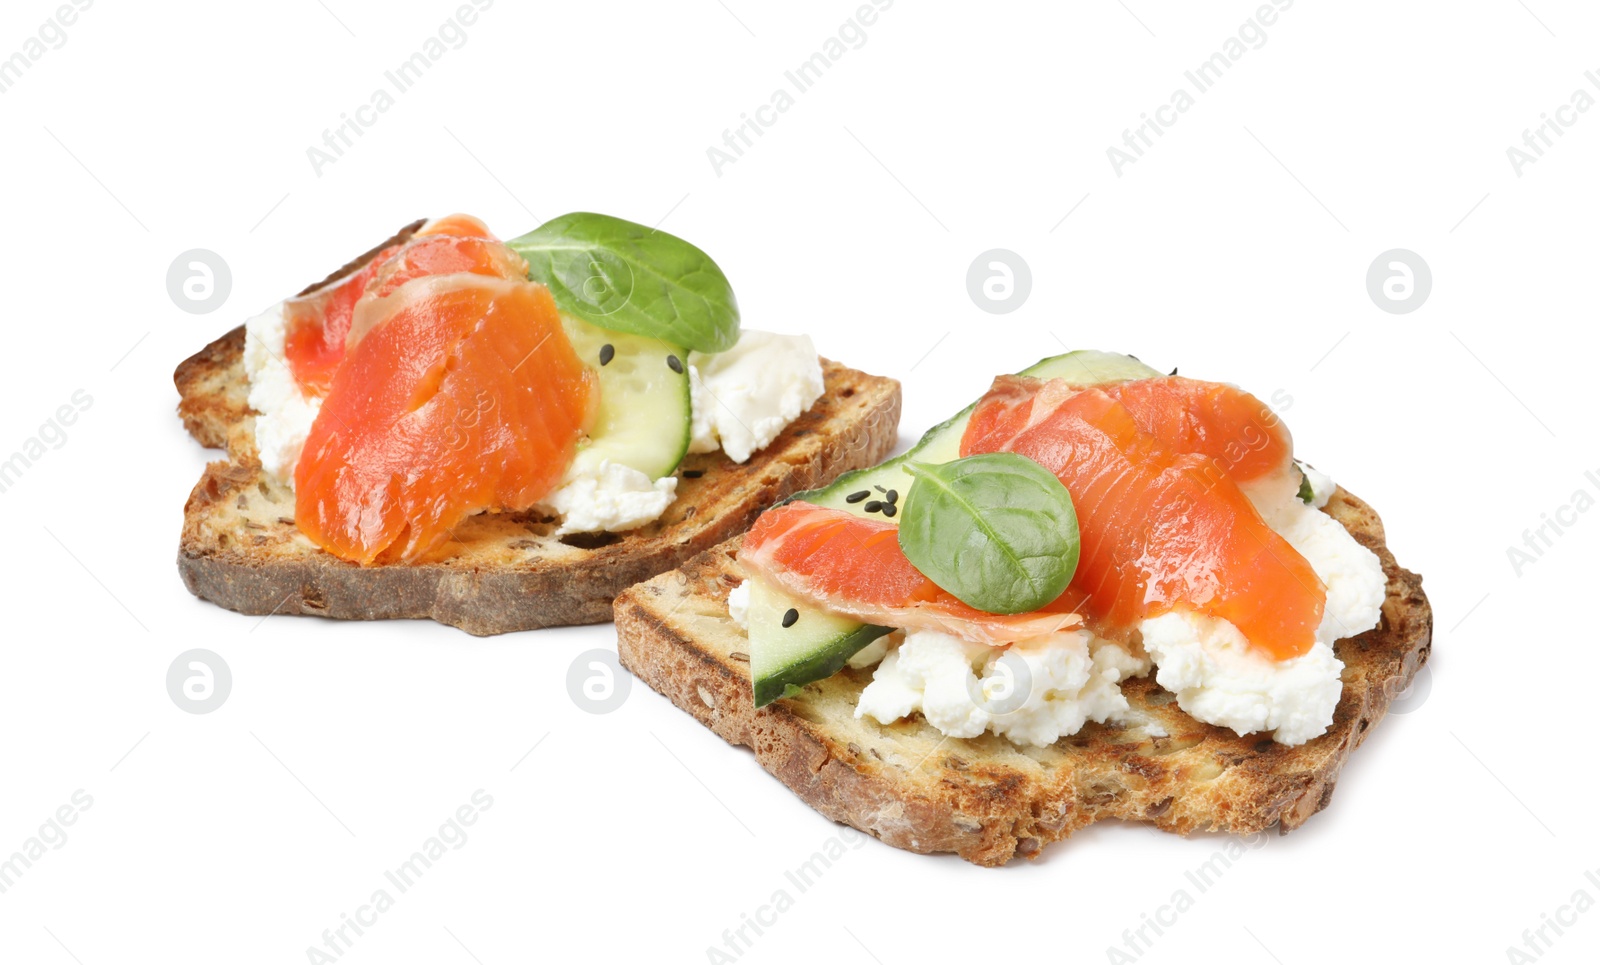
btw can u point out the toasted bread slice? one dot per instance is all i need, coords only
(507, 571)
(987, 799)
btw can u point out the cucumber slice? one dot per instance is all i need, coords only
(818, 643)
(644, 417)
(814, 646)
(1091, 367)
(942, 443)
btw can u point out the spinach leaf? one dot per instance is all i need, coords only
(997, 531)
(630, 278)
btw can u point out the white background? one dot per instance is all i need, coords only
(1237, 249)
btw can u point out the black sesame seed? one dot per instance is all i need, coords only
(891, 497)
(1174, 371)
(858, 497)
(607, 353)
(675, 364)
(889, 510)
(789, 617)
(880, 489)
(693, 473)
(874, 507)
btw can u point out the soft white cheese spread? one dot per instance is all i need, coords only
(739, 604)
(744, 397)
(284, 413)
(610, 498)
(873, 652)
(1220, 679)
(1352, 573)
(1033, 692)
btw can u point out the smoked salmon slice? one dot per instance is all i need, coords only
(451, 389)
(461, 225)
(855, 566)
(1160, 527)
(467, 398)
(317, 325)
(423, 257)
(1241, 435)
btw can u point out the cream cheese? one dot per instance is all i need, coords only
(283, 413)
(744, 397)
(1033, 692)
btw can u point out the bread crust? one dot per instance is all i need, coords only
(239, 546)
(987, 799)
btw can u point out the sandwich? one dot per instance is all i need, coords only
(1098, 592)
(502, 435)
